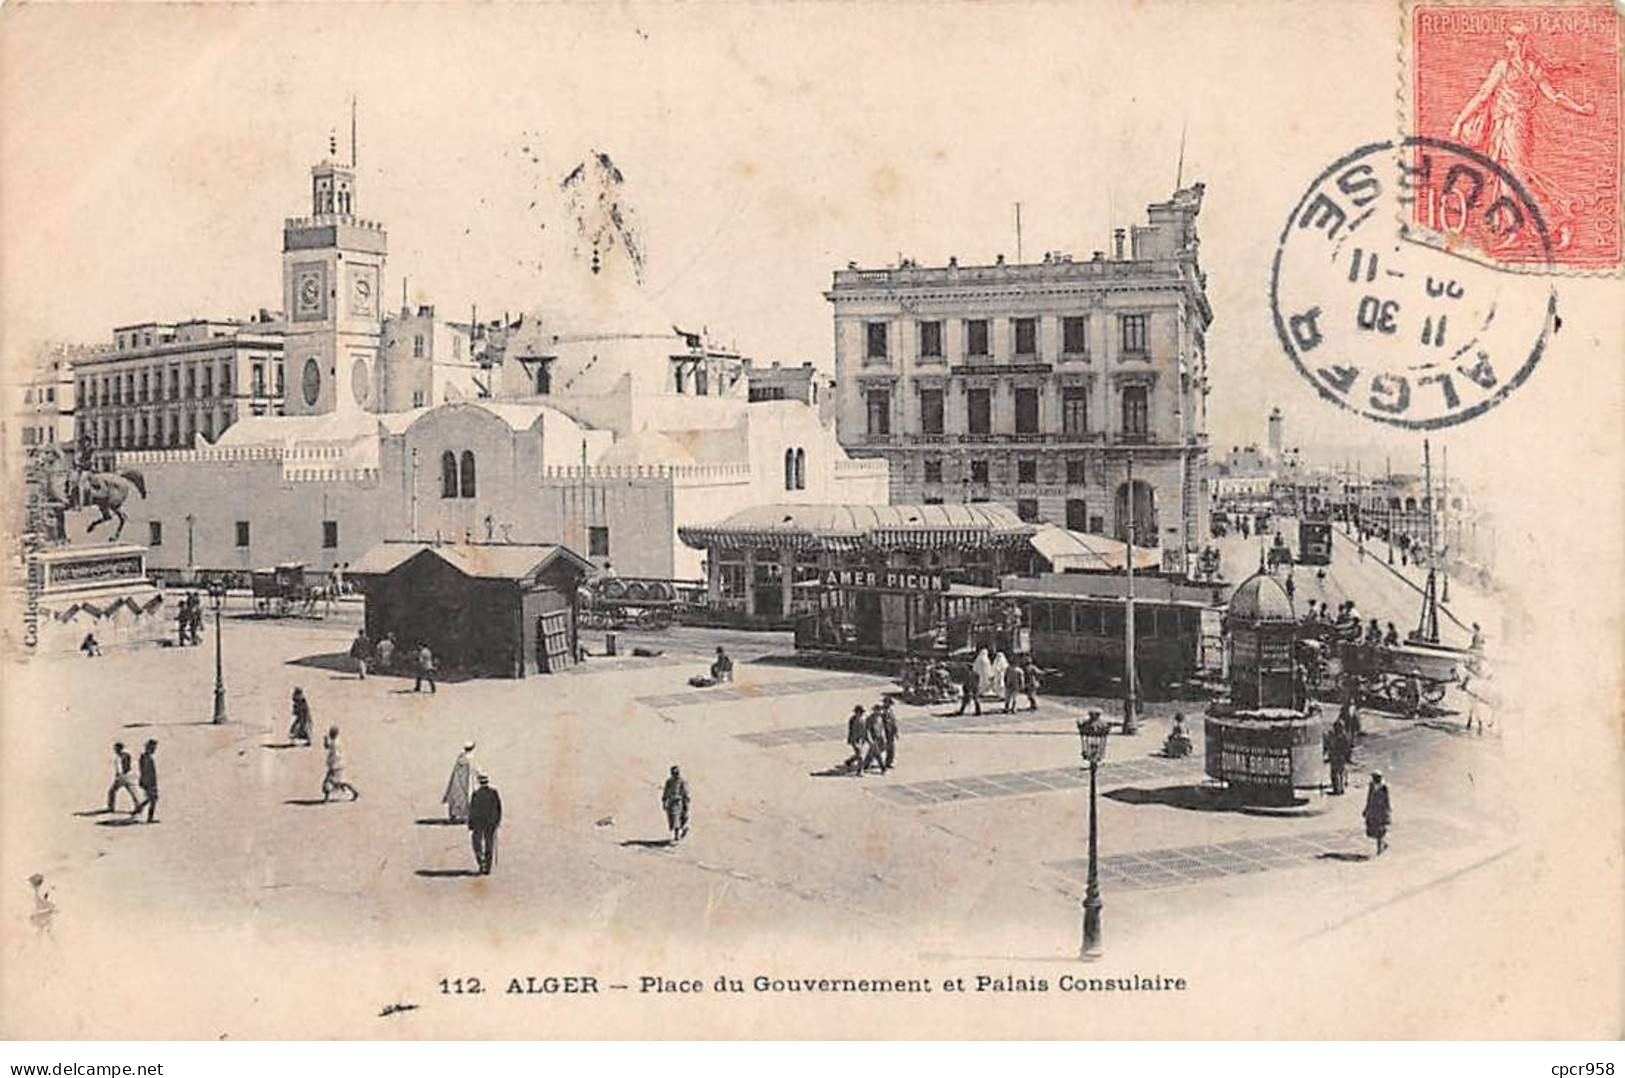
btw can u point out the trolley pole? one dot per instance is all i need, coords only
(1130, 693)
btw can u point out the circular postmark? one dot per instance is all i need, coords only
(1386, 289)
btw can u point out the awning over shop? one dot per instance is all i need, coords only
(1071, 552)
(981, 525)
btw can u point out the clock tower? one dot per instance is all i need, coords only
(332, 287)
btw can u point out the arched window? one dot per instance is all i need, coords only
(448, 474)
(468, 473)
(801, 469)
(789, 469)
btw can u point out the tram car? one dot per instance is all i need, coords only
(1077, 623)
(1315, 542)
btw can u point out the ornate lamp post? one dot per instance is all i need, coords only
(217, 599)
(1092, 734)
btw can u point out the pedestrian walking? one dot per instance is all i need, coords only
(997, 671)
(484, 817)
(122, 779)
(1015, 680)
(876, 731)
(888, 723)
(300, 730)
(857, 738)
(425, 669)
(148, 768)
(361, 651)
(1029, 672)
(674, 799)
(1339, 750)
(1379, 815)
(968, 690)
(333, 781)
(457, 787)
(90, 646)
(385, 657)
(984, 675)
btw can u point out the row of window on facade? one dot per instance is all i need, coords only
(156, 431)
(692, 375)
(597, 536)
(46, 395)
(148, 386)
(977, 337)
(243, 534)
(1026, 471)
(1136, 411)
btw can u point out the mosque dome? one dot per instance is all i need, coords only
(1261, 598)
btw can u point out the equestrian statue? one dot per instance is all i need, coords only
(74, 482)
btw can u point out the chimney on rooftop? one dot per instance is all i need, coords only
(1118, 235)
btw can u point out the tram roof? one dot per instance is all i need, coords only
(839, 527)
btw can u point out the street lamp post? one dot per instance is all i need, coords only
(217, 599)
(1130, 685)
(1092, 734)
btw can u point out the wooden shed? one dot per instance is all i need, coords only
(484, 609)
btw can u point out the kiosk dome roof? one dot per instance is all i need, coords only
(1261, 598)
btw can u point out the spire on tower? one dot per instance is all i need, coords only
(352, 130)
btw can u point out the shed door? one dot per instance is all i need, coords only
(553, 641)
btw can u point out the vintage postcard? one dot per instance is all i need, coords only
(820, 521)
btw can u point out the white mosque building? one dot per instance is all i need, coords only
(595, 423)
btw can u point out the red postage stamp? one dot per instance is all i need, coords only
(1535, 90)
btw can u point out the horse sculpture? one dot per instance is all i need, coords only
(67, 486)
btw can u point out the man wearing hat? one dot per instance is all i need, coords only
(456, 796)
(484, 817)
(857, 736)
(1378, 813)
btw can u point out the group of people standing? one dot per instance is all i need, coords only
(871, 734)
(189, 620)
(1001, 677)
(382, 656)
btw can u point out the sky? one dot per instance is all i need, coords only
(150, 154)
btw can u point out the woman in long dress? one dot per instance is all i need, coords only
(457, 787)
(983, 667)
(1001, 666)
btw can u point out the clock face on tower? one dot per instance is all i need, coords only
(311, 381)
(309, 292)
(361, 292)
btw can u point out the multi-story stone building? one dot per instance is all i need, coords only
(40, 402)
(162, 384)
(1035, 385)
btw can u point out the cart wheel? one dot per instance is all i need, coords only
(1433, 694)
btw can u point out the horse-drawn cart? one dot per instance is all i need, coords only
(1398, 677)
(283, 590)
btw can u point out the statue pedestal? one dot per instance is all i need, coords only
(1265, 755)
(102, 591)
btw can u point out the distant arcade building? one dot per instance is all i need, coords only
(1031, 384)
